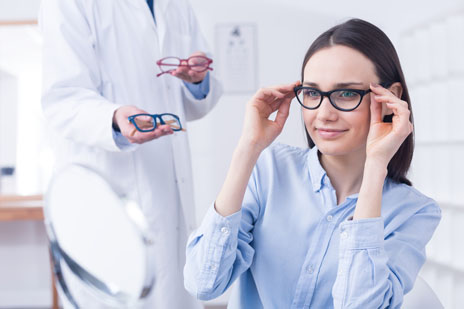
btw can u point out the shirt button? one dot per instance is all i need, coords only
(224, 230)
(149, 241)
(329, 218)
(212, 267)
(344, 235)
(310, 269)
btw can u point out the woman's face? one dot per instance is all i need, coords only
(333, 131)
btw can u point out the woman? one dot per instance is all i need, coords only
(338, 224)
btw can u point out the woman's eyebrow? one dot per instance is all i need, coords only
(338, 85)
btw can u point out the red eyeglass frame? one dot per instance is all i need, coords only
(183, 63)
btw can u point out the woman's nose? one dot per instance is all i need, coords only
(326, 111)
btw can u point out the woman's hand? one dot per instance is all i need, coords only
(384, 138)
(383, 142)
(258, 130)
(258, 133)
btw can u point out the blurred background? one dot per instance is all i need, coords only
(255, 43)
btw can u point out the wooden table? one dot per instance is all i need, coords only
(25, 208)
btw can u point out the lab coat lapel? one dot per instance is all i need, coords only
(160, 7)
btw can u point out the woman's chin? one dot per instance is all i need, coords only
(330, 147)
(338, 149)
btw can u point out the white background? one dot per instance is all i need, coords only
(285, 29)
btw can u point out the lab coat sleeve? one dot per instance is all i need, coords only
(73, 89)
(197, 108)
(374, 270)
(219, 251)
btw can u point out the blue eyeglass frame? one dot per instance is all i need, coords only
(155, 122)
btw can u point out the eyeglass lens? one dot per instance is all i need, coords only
(343, 99)
(196, 63)
(147, 123)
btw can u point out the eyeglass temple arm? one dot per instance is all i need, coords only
(147, 124)
(164, 72)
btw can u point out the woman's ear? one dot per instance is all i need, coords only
(397, 90)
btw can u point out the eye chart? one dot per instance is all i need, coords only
(237, 57)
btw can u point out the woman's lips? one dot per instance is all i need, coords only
(329, 133)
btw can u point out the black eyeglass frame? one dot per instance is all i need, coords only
(327, 94)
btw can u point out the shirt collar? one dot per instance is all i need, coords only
(316, 171)
(318, 174)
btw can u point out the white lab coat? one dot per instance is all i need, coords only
(100, 55)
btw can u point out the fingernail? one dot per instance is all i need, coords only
(375, 85)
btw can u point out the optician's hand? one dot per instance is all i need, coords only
(258, 130)
(187, 75)
(385, 138)
(129, 131)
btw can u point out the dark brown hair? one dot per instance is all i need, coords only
(377, 47)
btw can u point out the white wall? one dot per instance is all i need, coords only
(25, 276)
(285, 30)
(8, 115)
(25, 279)
(20, 57)
(19, 9)
(433, 54)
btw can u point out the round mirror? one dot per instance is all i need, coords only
(99, 240)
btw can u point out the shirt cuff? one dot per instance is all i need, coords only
(220, 226)
(122, 142)
(201, 90)
(362, 234)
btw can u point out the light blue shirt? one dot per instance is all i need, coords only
(292, 246)
(200, 90)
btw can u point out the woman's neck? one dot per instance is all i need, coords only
(345, 173)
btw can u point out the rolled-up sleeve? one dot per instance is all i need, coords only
(219, 251)
(216, 256)
(375, 270)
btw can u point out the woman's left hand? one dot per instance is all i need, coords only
(385, 138)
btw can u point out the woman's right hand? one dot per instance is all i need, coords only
(258, 133)
(258, 130)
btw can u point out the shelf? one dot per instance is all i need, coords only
(17, 22)
(20, 208)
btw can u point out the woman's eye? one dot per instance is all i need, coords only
(311, 93)
(347, 94)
